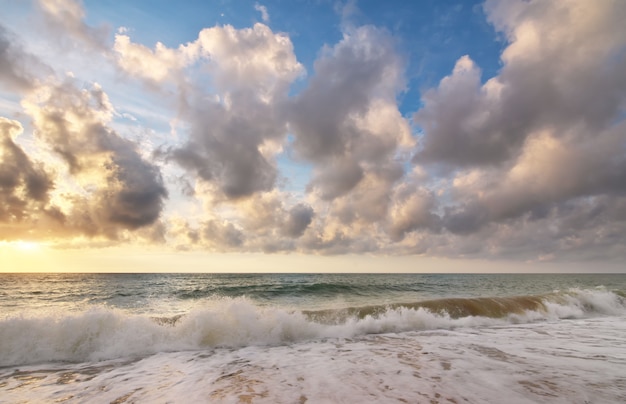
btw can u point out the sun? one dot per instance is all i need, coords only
(26, 246)
(26, 256)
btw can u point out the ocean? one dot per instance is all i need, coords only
(312, 338)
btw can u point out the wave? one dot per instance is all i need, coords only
(276, 290)
(102, 333)
(572, 303)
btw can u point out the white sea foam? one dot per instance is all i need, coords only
(569, 361)
(102, 333)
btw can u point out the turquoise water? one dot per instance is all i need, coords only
(165, 294)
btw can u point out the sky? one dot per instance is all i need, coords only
(286, 136)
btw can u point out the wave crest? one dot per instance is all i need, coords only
(103, 333)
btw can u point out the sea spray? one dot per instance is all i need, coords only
(100, 332)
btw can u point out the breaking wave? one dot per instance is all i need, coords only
(103, 333)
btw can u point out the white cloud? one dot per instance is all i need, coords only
(542, 139)
(117, 189)
(527, 164)
(263, 10)
(154, 66)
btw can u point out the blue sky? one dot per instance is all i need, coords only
(463, 130)
(430, 35)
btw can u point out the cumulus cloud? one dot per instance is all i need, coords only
(528, 164)
(253, 60)
(263, 222)
(300, 217)
(412, 210)
(25, 185)
(225, 150)
(541, 143)
(153, 66)
(347, 123)
(582, 229)
(563, 67)
(349, 79)
(121, 190)
(221, 234)
(235, 131)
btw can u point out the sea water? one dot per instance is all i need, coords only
(316, 338)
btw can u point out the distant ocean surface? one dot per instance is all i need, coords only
(312, 338)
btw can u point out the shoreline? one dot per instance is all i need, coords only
(573, 361)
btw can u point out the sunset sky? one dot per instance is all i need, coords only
(311, 136)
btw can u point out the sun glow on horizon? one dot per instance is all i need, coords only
(24, 256)
(26, 246)
(23, 245)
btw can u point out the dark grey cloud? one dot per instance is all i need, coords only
(562, 69)
(353, 82)
(527, 165)
(588, 230)
(456, 121)
(347, 123)
(548, 172)
(222, 235)
(534, 157)
(259, 223)
(465, 218)
(336, 179)
(235, 131)
(299, 218)
(24, 184)
(412, 210)
(224, 149)
(125, 191)
(139, 199)
(335, 243)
